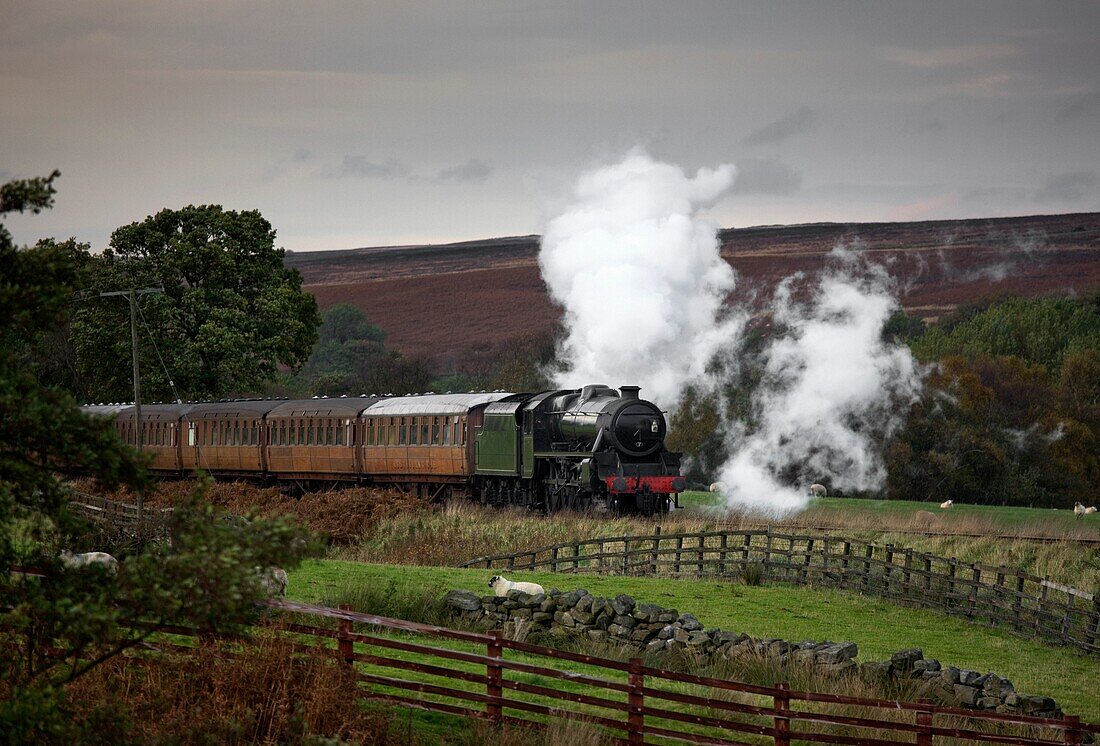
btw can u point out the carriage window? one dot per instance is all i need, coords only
(435, 431)
(463, 432)
(424, 434)
(446, 426)
(340, 434)
(403, 433)
(369, 436)
(190, 433)
(328, 433)
(309, 433)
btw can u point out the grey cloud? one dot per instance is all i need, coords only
(4, 175)
(359, 166)
(301, 155)
(784, 128)
(755, 176)
(929, 124)
(473, 170)
(1068, 187)
(1081, 106)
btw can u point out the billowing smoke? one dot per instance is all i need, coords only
(639, 275)
(638, 272)
(833, 390)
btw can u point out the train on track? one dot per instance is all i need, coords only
(590, 448)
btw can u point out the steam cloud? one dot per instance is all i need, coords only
(639, 274)
(833, 390)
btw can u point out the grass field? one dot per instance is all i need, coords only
(773, 611)
(895, 513)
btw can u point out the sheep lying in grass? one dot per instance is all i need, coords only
(718, 487)
(76, 561)
(502, 585)
(818, 490)
(1080, 511)
(947, 504)
(273, 580)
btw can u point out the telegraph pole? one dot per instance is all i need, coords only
(132, 294)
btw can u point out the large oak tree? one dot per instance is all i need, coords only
(231, 314)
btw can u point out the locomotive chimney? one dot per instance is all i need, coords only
(629, 392)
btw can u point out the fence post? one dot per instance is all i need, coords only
(867, 566)
(635, 703)
(806, 561)
(656, 551)
(1073, 730)
(626, 555)
(972, 600)
(679, 552)
(554, 559)
(723, 542)
(844, 562)
(701, 553)
(576, 556)
(907, 575)
(767, 551)
(344, 645)
(889, 569)
(494, 708)
(951, 568)
(924, 722)
(782, 704)
(1095, 623)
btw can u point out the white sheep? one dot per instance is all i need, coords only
(273, 580)
(76, 561)
(1079, 510)
(718, 487)
(502, 585)
(946, 504)
(818, 490)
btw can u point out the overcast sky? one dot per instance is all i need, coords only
(367, 123)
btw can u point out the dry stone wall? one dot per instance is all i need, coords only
(652, 629)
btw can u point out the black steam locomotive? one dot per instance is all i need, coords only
(572, 448)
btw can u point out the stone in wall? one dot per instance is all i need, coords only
(653, 629)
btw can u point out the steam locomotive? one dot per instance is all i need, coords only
(593, 447)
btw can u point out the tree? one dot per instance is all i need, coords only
(56, 628)
(230, 316)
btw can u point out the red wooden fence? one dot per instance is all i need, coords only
(634, 700)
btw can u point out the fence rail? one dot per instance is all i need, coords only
(490, 677)
(996, 596)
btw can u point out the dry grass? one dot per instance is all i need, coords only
(342, 515)
(265, 695)
(461, 531)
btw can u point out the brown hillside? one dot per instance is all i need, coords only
(444, 301)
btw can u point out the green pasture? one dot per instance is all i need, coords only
(793, 613)
(960, 513)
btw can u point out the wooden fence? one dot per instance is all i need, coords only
(122, 516)
(997, 596)
(490, 677)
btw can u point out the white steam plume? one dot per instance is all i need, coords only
(639, 275)
(644, 289)
(833, 391)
